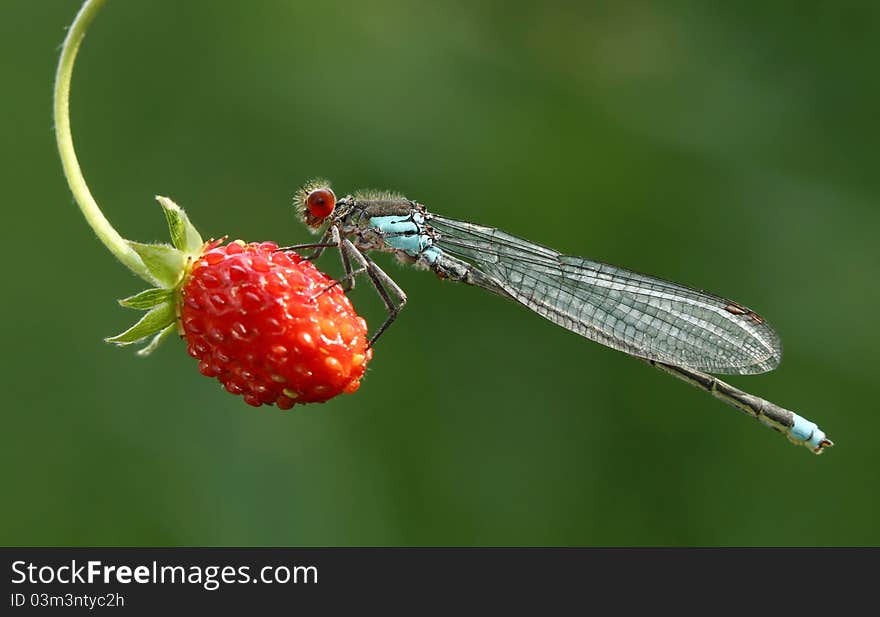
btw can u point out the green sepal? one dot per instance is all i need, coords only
(184, 235)
(159, 318)
(166, 266)
(153, 344)
(147, 299)
(164, 262)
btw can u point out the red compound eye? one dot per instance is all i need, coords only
(321, 202)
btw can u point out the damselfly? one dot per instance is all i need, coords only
(682, 331)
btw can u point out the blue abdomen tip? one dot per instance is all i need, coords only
(808, 432)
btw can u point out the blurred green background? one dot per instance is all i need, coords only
(732, 148)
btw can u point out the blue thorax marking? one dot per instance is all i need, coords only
(407, 234)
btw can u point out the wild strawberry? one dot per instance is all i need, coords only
(271, 327)
(266, 323)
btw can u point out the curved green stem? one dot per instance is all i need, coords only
(95, 218)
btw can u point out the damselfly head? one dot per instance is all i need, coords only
(315, 202)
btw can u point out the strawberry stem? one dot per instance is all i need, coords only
(87, 204)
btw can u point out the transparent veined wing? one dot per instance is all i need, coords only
(635, 313)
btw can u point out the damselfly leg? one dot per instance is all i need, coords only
(382, 283)
(394, 300)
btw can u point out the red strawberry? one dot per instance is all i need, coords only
(271, 327)
(266, 323)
